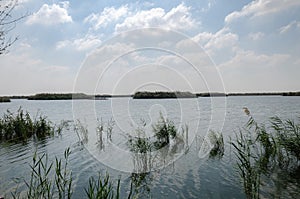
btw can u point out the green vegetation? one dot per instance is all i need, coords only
(60, 96)
(18, 127)
(161, 95)
(48, 181)
(217, 142)
(291, 93)
(54, 180)
(164, 130)
(260, 152)
(4, 99)
(102, 188)
(211, 95)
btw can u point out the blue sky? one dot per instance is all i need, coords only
(255, 45)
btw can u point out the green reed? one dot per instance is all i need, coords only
(20, 126)
(261, 150)
(103, 187)
(48, 179)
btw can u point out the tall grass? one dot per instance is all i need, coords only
(20, 126)
(260, 150)
(48, 179)
(102, 187)
(82, 132)
(164, 129)
(53, 179)
(217, 144)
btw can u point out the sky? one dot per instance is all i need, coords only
(94, 47)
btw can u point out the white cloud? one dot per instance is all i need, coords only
(109, 14)
(291, 25)
(82, 44)
(256, 36)
(260, 8)
(51, 14)
(178, 18)
(23, 1)
(223, 41)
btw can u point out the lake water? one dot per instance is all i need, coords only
(184, 173)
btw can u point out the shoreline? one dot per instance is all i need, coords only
(140, 95)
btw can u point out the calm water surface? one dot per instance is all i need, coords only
(190, 176)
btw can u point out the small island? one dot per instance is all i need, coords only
(59, 96)
(162, 95)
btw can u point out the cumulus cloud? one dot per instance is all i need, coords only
(109, 14)
(51, 14)
(219, 45)
(178, 18)
(87, 42)
(260, 8)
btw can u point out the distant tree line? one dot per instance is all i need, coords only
(4, 99)
(60, 96)
(161, 94)
(139, 95)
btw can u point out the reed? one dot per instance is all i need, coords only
(102, 187)
(20, 126)
(48, 180)
(82, 132)
(217, 144)
(262, 150)
(164, 129)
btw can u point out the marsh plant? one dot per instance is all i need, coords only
(82, 132)
(53, 179)
(140, 184)
(102, 129)
(48, 179)
(158, 150)
(261, 150)
(164, 129)
(103, 187)
(217, 144)
(109, 129)
(20, 126)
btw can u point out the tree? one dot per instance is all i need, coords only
(7, 23)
